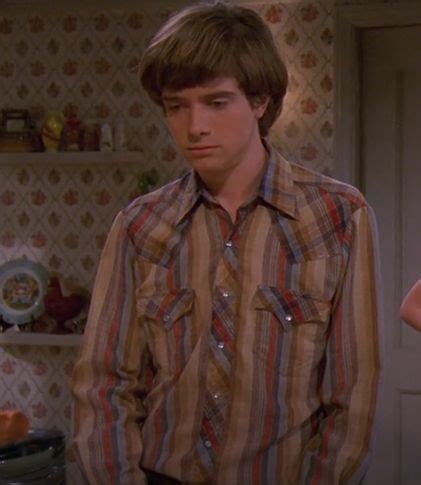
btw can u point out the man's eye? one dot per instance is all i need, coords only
(173, 108)
(219, 103)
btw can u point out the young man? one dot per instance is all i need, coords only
(233, 332)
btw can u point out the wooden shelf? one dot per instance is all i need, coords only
(71, 158)
(13, 337)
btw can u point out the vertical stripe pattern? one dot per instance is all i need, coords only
(233, 352)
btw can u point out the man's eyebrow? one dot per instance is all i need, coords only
(219, 94)
(205, 97)
(171, 97)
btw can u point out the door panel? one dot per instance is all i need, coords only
(391, 154)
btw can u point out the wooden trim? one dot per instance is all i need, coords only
(73, 158)
(382, 15)
(346, 102)
(12, 337)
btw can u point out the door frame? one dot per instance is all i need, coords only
(349, 21)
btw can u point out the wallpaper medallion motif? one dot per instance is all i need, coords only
(85, 63)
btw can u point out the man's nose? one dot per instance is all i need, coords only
(198, 122)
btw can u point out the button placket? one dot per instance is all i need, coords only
(288, 321)
(207, 444)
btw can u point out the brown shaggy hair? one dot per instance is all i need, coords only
(207, 41)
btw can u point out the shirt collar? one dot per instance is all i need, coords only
(276, 188)
(190, 195)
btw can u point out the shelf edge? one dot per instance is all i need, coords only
(11, 337)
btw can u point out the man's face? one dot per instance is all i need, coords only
(214, 125)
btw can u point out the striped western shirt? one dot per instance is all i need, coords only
(233, 352)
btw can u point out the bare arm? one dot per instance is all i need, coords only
(410, 310)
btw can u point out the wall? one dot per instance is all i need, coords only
(83, 60)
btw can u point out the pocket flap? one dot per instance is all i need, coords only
(167, 307)
(290, 307)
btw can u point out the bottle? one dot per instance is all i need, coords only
(72, 134)
(91, 134)
(120, 136)
(106, 138)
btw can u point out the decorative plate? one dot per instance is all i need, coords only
(23, 285)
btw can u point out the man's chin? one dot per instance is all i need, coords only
(203, 162)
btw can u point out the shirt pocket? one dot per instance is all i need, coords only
(166, 318)
(291, 328)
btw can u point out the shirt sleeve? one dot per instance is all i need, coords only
(107, 376)
(339, 452)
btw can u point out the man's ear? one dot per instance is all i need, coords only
(259, 104)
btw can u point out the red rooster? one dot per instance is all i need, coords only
(61, 307)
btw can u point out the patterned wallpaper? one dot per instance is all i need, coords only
(84, 62)
(372, 2)
(304, 33)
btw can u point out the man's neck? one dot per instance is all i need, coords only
(238, 186)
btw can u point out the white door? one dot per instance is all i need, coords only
(391, 154)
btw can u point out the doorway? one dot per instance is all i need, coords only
(391, 181)
(378, 148)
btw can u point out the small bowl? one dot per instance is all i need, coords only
(33, 457)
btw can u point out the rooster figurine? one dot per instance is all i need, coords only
(60, 307)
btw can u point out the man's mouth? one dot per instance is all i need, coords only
(201, 148)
